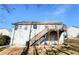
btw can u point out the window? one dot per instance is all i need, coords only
(20, 27)
(34, 26)
(46, 26)
(25, 27)
(16, 27)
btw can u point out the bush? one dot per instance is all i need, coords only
(77, 36)
(4, 40)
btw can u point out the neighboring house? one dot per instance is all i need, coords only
(73, 32)
(5, 32)
(39, 32)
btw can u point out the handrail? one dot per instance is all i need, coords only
(38, 36)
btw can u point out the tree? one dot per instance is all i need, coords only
(4, 40)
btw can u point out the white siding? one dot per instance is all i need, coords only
(22, 35)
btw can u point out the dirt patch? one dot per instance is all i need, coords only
(1, 49)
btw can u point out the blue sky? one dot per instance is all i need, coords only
(66, 13)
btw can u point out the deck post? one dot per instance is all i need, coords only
(58, 36)
(58, 45)
(49, 38)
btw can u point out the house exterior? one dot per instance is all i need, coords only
(4, 31)
(73, 32)
(36, 33)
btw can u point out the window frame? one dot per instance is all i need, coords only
(35, 26)
(16, 27)
(25, 28)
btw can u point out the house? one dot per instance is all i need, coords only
(37, 33)
(73, 32)
(4, 31)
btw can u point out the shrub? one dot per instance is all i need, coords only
(4, 40)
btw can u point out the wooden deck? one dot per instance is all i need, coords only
(11, 51)
(40, 50)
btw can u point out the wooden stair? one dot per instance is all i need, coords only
(38, 36)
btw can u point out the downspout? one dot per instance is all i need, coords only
(30, 35)
(13, 37)
(28, 43)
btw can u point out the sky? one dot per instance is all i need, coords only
(66, 13)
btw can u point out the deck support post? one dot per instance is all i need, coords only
(58, 45)
(58, 36)
(49, 38)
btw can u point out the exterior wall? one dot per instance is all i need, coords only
(38, 30)
(21, 35)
